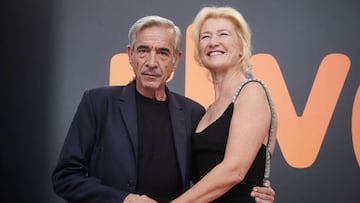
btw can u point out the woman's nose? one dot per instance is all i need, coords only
(214, 41)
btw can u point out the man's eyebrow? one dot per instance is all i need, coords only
(160, 49)
(164, 49)
(142, 47)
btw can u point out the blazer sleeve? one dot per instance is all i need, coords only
(70, 176)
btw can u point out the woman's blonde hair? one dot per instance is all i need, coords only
(242, 31)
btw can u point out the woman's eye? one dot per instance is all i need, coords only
(204, 36)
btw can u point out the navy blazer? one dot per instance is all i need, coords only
(98, 161)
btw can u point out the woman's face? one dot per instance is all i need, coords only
(220, 47)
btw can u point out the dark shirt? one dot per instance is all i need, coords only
(158, 170)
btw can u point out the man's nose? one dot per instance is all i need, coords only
(152, 60)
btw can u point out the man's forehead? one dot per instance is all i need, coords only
(155, 37)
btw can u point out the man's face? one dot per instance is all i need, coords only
(153, 58)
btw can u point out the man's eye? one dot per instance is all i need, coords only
(164, 53)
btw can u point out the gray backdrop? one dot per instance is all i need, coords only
(54, 50)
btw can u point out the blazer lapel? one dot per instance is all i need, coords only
(127, 106)
(180, 136)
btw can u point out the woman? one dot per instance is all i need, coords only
(229, 146)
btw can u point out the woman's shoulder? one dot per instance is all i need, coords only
(250, 88)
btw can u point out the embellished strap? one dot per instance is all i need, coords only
(272, 121)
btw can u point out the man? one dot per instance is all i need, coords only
(132, 143)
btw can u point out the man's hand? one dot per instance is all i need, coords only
(264, 194)
(135, 198)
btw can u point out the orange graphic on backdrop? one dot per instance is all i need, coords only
(300, 137)
(121, 71)
(356, 125)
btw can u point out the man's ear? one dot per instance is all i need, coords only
(177, 60)
(129, 52)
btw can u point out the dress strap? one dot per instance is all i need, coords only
(248, 77)
(273, 122)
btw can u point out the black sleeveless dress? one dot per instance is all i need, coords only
(208, 149)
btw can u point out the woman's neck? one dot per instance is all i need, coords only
(226, 83)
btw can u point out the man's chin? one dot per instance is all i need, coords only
(151, 84)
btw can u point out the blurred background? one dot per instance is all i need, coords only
(56, 49)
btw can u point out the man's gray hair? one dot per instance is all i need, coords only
(149, 21)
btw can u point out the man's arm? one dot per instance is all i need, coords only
(70, 177)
